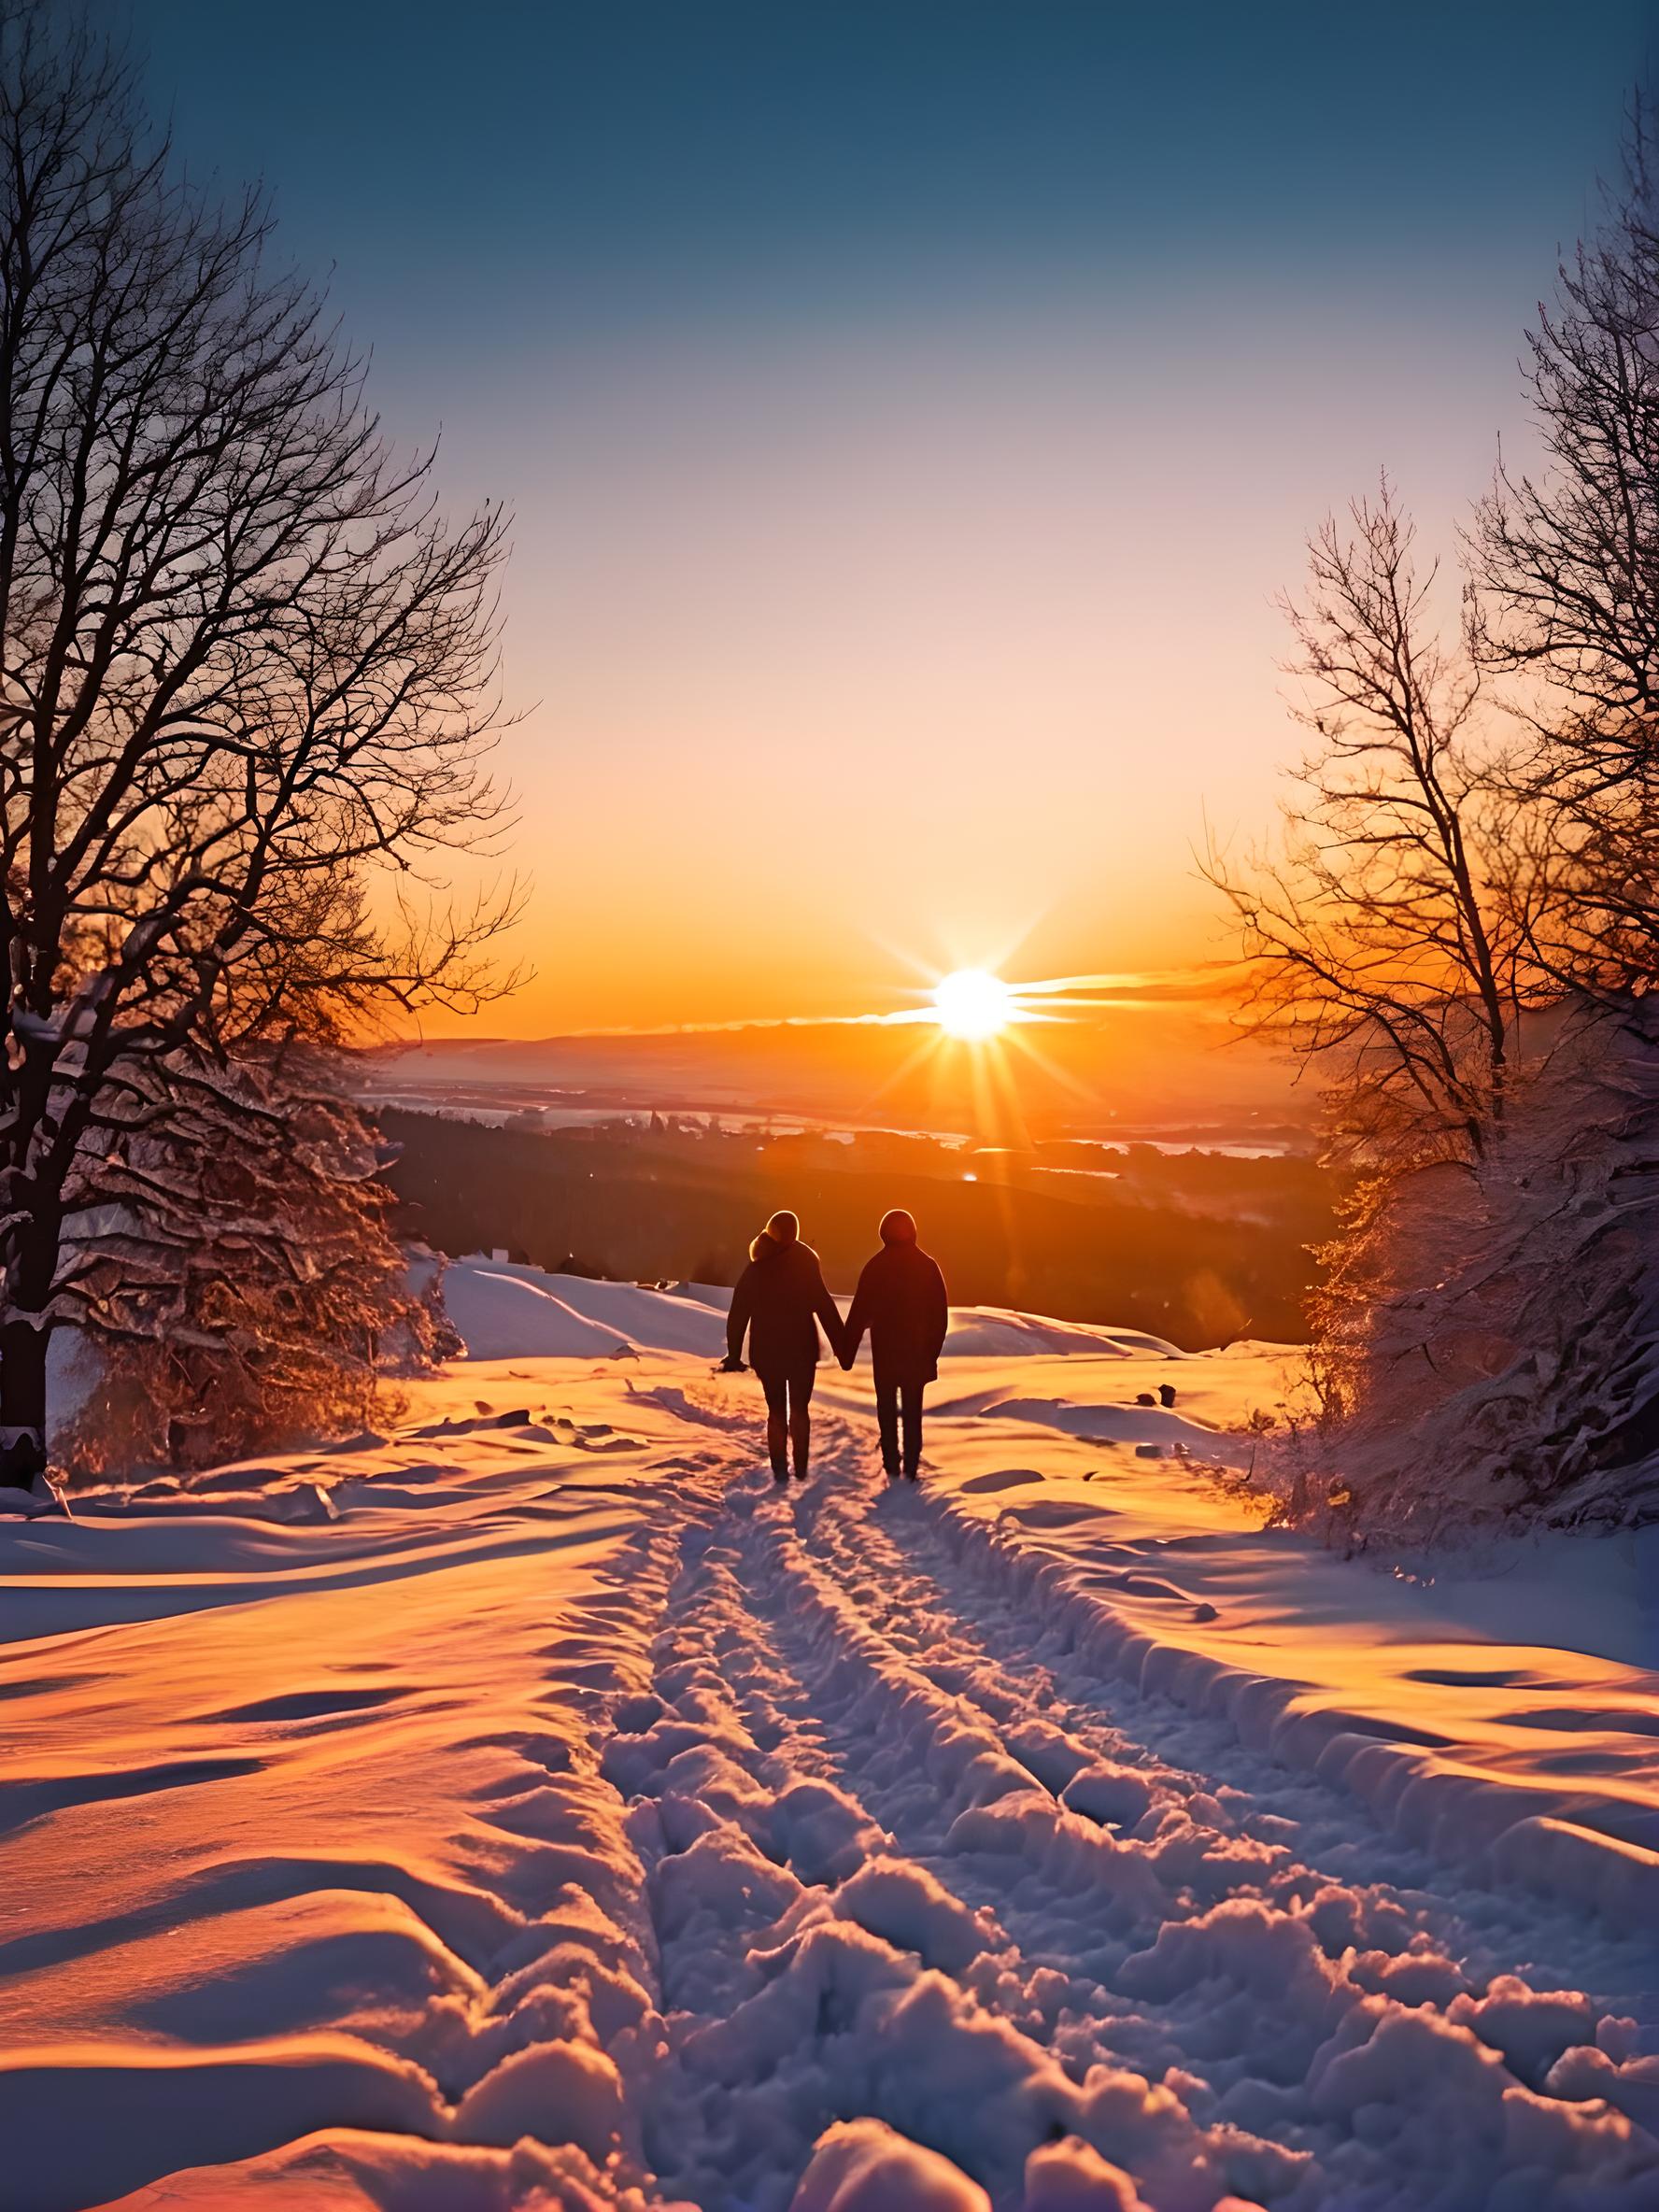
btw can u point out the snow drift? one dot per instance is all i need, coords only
(536, 1807)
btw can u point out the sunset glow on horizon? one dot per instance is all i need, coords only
(895, 542)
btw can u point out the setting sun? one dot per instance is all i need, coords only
(972, 1004)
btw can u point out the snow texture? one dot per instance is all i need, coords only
(539, 1807)
(1494, 1335)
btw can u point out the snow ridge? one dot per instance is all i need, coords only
(593, 1824)
(876, 1890)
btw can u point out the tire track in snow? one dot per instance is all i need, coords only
(816, 1967)
(1443, 1939)
(842, 1848)
(1271, 1954)
(990, 1651)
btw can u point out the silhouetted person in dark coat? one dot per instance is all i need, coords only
(779, 1301)
(902, 1300)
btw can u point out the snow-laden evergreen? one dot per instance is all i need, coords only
(1490, 1343)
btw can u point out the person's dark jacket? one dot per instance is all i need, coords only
(902, 1300)
(779, 1299)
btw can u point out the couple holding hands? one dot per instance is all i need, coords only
(781, 1298)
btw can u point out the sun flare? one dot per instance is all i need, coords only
(972, 1004)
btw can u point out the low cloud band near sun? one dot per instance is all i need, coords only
(977, 1005)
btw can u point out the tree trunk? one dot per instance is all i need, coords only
(23, 1402)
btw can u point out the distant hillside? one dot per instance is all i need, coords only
(1150, 1067)
(1195, 1247)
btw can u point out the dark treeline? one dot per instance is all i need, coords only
(1199, 1248)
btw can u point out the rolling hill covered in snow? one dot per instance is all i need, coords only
(537, 1805)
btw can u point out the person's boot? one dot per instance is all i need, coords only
(889, 1453)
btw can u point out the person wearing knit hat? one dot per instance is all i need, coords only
(903, 1301)
(779, 1301)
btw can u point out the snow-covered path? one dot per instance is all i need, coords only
(553, 1811)
(1085, 1890)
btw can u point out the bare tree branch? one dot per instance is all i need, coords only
(248, 683)
(1386, 936)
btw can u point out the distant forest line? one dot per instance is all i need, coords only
(1199, 1248)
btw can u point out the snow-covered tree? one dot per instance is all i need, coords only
(1465, 938)
(1490, 1342)
(247, 676)
(233, 1272)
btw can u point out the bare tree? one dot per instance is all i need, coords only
(1387, 937)
(1567, 562)
(249, 672)
(1466, 934)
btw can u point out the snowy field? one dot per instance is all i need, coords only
(538, 1808)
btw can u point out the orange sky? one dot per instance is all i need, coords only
(908, 415)
(889, 650)
(884, 653)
